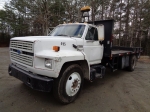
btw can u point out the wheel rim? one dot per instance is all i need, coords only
(73, 84)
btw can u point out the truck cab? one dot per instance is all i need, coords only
(86, 36)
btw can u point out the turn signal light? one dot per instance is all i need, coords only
(56, 48)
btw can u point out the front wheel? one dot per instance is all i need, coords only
(68, 86)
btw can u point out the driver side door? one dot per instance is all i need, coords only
(92, 48)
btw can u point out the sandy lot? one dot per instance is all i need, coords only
(121, 91)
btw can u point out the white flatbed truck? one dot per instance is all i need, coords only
(71, 53)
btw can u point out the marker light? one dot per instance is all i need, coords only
(56, 48)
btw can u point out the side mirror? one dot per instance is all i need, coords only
(100, 29)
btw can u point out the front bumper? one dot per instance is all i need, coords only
(36, 82)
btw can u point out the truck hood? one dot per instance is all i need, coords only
(35, 38)
(47, 42)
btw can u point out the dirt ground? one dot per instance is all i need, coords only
(121, 91)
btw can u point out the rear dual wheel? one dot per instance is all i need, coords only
(132, 63)
(68, 86)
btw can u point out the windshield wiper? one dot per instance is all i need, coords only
(63, 35)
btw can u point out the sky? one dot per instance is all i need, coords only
(2, 3)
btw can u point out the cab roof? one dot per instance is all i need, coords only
(87, 24)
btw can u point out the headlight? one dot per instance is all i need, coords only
(48, 63)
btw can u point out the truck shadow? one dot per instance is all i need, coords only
(109, 77)
(48, 98)
(38, 96)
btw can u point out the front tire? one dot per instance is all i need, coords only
(68, 86)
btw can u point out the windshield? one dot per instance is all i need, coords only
(75, 30)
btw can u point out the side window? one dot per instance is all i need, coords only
(92, 34)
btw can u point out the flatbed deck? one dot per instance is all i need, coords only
(121, 52)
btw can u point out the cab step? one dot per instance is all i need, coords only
(97, 71)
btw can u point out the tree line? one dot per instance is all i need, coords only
(37, 17)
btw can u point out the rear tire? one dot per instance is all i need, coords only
(68, 86)
(139, 55)
(132, 63)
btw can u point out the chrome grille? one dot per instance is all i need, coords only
(22, 45)
(22, 52)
